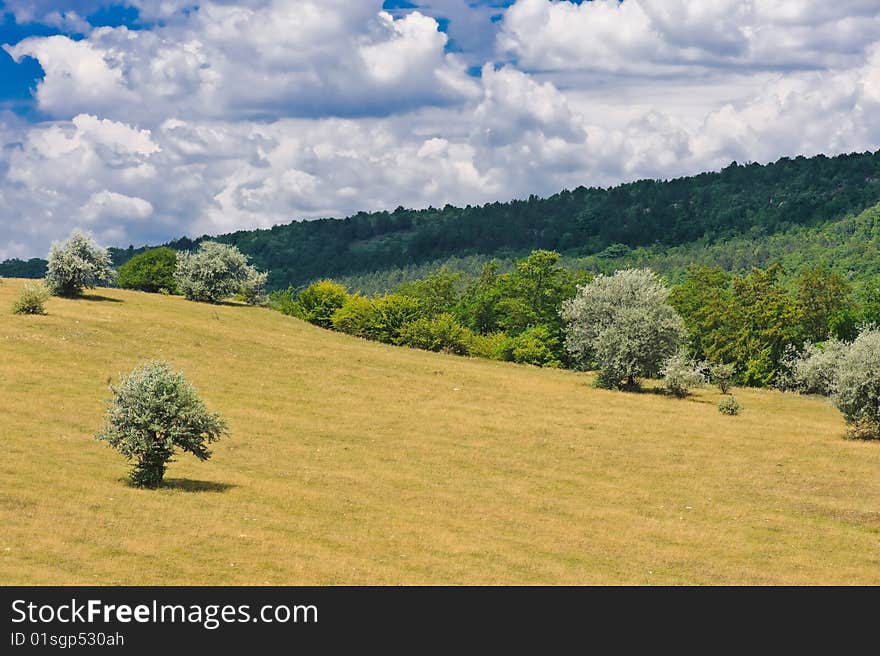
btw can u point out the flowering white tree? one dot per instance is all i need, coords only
(217, 271)
(76, 265)
(624, 325)
(857, 388)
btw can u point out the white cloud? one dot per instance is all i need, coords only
(248, 115)
(281, 58)
(664, 36)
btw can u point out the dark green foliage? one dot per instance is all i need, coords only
(15, 268)
(436, 333)
(150, 271)
(154, 412)
(751, 201)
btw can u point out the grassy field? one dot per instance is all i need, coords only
(353, 462)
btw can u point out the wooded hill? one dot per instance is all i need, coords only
(741, 200)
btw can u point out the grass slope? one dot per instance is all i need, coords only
(354, 462)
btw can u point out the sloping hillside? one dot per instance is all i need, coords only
(354, 462)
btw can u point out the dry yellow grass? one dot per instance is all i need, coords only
(354, 462)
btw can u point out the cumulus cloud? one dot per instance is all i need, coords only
(282, 58)
(662, 37)
(248, 114)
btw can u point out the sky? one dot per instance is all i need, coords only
(145, 120)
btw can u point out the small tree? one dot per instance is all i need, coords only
(253, 288)
(31, 300)
(681, 374)
(76, 265)
(214, 272)
(857, 393)
(624, 325)
(722, 376)
(155, 410)
(150, 271)
(814, 371)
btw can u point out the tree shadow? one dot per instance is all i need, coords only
(100, 299)
(190, 485)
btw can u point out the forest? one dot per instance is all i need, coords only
(731, 215)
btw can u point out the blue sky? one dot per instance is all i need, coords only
(145, 121)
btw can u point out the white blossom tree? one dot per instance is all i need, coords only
(624, 325)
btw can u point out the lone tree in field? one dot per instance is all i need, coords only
(155, 410)
(217, 271)
(624, 325)
(857, 386)
(76, 265)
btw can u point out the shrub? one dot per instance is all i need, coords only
(536, 346)
(155, 410)
(150, 271)
(76, 265)
(31, 300)
(729, 406)
(681, 374)
(213, 272)
(857, 393)
(624, 325)
(814, 371)
(356, 317)
(391, 313)
(317, 302)
(440, 333)
(487, 346)
(722, 376)
(253, 287)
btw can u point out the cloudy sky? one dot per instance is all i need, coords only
(144, 120)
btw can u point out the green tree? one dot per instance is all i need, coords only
(154, 412)
(824, 296)
(438, 292)
(150, 271)
(77, 265)
(703, 301)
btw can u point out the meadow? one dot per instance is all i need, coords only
(354, 462)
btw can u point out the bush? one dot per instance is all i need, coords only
(31, 300)
(253, 288)
(356, 317)
(536, 346)
(681, 374)
(857, 393)
(440, 333)
(317, 302)
(624, 325)
(722, 376)
(151, 271)
(729, 406)
(213, 272)
(814, 371)
(76, 265)
(155, 410)
(487, 346)
(391, 313)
